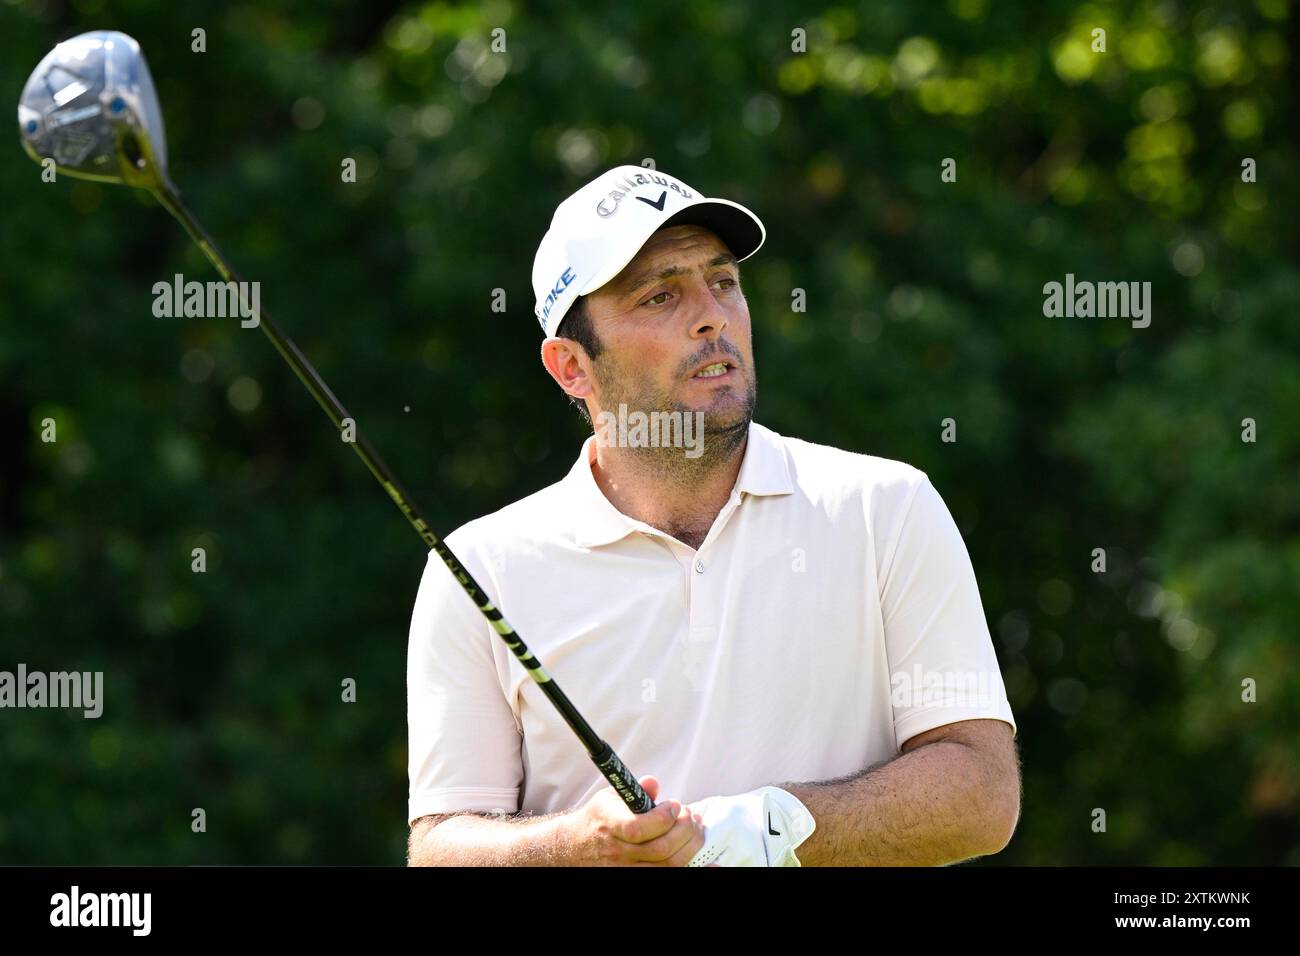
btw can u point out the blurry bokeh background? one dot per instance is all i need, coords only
(924, 301)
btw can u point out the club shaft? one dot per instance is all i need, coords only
(602, 755)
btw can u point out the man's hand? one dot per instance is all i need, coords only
(604, 832)
(760, 828)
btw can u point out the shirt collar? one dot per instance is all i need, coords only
(765, 470)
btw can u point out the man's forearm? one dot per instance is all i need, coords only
(467, 840)
(935, 805)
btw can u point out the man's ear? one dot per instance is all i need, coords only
(569, 365)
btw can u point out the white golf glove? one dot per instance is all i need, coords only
(760, 828)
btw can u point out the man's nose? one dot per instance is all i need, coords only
(709, 318)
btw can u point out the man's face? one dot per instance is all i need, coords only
(674, 310)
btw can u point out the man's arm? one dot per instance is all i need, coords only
(601, 832)
(953, 794)
(488, 839)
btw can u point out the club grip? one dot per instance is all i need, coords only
(615, 771)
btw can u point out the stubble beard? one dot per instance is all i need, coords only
(724, 428)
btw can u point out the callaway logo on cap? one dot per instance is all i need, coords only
(600, 229)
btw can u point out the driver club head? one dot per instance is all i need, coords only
(90, 105)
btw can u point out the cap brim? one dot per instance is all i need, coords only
(735, 225)
(738, 228)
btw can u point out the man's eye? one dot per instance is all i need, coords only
(661, 297)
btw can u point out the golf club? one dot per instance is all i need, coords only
(90, 106)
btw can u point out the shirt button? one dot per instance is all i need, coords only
(699, 567)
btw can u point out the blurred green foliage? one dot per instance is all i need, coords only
(924, 302)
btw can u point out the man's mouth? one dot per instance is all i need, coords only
(714, 370)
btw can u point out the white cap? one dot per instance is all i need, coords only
(601, 227)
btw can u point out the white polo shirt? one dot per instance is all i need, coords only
(830, 615)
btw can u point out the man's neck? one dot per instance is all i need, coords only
(666, 490)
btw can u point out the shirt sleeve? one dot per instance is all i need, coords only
(463, 741)
(942, 665)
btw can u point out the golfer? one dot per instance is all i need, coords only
(785, 638)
